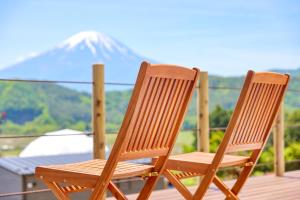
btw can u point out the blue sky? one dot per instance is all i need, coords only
(222, 37)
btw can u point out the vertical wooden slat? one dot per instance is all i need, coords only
(158, 114)
(279, 143)
(250, 112)
(203, 113)
(145, 123)
(256, 115)
(148, 133)
(142, 107)
(176, 112)
(162, 123)
(262, 126)
(272, 105)
(170, 112)
(98, 118)
(238, 131)
(261, 114)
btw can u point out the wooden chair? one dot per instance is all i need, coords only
(248, 130)
(152, 121)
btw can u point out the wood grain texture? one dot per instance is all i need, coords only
(203, 113)
(98, 114)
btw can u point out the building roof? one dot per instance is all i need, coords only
(27, 165)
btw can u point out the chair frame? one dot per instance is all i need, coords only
(227, 146)
(131, 142)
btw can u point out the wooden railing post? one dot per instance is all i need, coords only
(98, 118)
(203, 113)
(279, 163)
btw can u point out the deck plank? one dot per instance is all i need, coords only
(265, 187)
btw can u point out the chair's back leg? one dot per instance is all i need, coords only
(241, 180)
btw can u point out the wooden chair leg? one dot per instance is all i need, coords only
(204, 185)
(241, 180)
(116, 192)
(148, 187)
(55, 188)
(179, 186)
(100, 189)
(228, 193)
(152, 180)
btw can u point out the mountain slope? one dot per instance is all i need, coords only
(38, 108)
(73, 58)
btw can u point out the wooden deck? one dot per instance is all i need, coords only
(261, 187)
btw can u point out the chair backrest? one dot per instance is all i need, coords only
(155, 111)
(256, 110)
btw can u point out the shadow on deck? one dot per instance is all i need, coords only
(261, 187)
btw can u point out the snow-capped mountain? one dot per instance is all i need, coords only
(72, 60)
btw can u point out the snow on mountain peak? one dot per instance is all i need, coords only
(93, 39)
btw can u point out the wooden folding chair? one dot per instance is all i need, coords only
(248, 130)
(150, 126)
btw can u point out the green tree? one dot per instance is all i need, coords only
(219, 117)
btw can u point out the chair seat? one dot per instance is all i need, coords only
(198, 162)
(87, 173)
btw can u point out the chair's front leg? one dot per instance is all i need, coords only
(241, 180)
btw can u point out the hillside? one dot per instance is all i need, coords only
(33, 108)
(227, 97)
(37, 108)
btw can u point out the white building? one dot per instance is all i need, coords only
(60, 142)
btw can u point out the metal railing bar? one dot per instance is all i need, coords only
(116, 131)
(24, 193)
(122, 84)
(46, 81)
(31, 136)
(115, 83)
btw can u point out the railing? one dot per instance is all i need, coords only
(203, 129)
